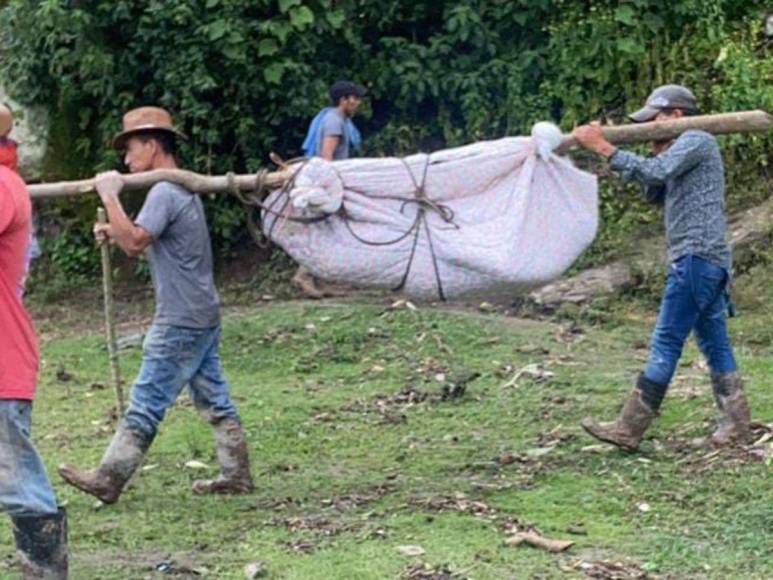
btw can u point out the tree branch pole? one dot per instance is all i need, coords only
(720, 124)
(191, 181)
(112, 346)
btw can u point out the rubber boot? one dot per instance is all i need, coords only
(41, 543)
(233, 457)
(627, 431)
(733, 426)
(121, 459)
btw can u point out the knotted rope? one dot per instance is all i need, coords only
(424, 205)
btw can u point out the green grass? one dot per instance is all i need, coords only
(342, 482)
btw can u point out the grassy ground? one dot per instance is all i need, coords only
(374, 429)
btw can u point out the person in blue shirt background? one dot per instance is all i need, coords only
(332, 135)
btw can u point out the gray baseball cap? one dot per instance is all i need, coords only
(666, 98)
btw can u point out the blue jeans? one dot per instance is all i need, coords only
(24, 486)
(172, 358)
(694, 299)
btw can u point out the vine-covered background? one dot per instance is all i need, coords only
(244, 77)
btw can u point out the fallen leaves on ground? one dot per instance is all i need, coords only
(538, 541)
(533, 372)
(606, 570)
(430, 572)
(411, 551)
(698, 457)
(458, 502)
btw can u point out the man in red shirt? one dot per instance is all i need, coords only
(39, 526)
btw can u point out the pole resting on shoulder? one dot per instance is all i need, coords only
(742, 122)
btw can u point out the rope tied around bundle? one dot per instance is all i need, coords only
(424, 205)
(280, 208)
(254, 201)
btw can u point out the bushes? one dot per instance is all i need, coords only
(244, 77)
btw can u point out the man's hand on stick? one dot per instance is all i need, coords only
(591, 137)
(108, 185)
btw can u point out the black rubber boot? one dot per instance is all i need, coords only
(41, 543)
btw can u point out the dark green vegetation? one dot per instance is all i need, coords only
(244, 77)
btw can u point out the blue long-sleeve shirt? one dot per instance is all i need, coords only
(689, 179)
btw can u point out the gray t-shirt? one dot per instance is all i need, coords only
(180, 258)
(334, 125)
(689, 179)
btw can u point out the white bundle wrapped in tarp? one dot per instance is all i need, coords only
(489, 220)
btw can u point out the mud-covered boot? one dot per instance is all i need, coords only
(41, 543)
(121, 459)
(734, 418)
(232, 455)
(627, 431)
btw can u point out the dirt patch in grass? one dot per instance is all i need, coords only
(332, 518)
(391, 408)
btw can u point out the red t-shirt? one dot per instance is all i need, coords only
(18, 344)
(8, 155)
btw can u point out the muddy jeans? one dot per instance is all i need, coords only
(172, 358)
(694, 300)
(24, 486)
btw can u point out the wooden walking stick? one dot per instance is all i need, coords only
(112, 346)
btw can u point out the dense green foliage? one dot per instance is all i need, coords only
(244, 76)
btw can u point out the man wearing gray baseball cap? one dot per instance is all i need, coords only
(666, 98)
(686, 175)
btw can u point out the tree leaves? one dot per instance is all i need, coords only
(217, 30)
(285, 5)
(267, 47)
(301, 17)
(243, 77)
(625, 14)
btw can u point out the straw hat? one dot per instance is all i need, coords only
(145, 119)
(6, 120)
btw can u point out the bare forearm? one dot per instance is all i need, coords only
(122, 230)
(329, 145)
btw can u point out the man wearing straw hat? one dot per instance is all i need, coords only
(181, 347)
(39, 525)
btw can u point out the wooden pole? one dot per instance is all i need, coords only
(721, 124)
(743, 122)
(112, 346)
(191, 181)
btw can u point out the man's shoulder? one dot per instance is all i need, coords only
(332, 120)
(169, 189)
(699, 136)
